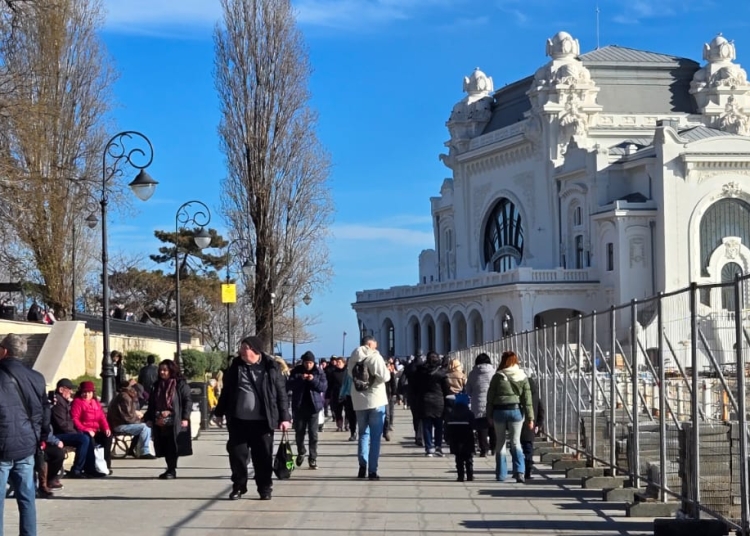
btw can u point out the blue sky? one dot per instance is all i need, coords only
(386, 75)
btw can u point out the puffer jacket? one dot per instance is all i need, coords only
(477, 386)
(456, 377)
(19, 435)
(511, 386)
(314, 389)
(88, 416)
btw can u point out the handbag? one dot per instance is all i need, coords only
(164, 420)
(283, 463)
(99, 462)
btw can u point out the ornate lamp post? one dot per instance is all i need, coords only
(117, 153)
(247, 269)
(190, 213)
(306, 299)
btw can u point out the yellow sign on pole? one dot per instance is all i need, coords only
(228, 293)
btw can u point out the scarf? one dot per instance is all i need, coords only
(164, 394)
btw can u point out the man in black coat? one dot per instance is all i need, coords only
(254, 401)
(24, 425)
(148, 374)
(528, 434)
(430, 386)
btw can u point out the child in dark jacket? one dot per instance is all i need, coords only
(460, 435)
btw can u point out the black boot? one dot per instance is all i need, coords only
(470, 470)
(460, 471)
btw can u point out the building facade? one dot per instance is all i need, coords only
(604, 177)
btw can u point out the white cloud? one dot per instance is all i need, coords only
(144, 16)
(392, 235)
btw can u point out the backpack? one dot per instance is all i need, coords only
(361, 378)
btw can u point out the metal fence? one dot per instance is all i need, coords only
(654, 390)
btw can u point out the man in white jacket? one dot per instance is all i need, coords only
(369, 400)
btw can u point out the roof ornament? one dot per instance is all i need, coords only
(478, 83)
(562, 45)
(719, 50)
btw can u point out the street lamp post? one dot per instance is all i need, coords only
(188, 214)
(143, 186)
(307, 299)
(343, 346)
(247, 268)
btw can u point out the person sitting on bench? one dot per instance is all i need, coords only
(124, 418)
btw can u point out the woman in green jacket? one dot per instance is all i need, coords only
(509, 407)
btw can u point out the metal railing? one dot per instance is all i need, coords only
(623, 389)
(134, 329)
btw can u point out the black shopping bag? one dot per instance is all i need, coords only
(283, 463)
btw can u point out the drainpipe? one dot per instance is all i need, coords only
(651, 226)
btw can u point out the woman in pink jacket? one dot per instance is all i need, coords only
(89, 418)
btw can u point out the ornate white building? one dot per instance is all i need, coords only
(605, 176)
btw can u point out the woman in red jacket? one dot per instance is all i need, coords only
(89, 418)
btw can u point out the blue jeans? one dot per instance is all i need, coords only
(82, 444)
(432, 433)
(21, 476)
(510, 421)
(142, 431)
(370, 423)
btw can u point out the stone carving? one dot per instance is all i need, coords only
(732, 247)
(479, 196)
(637, 251)
(573, 121)
(720, 87)
(470, 115)
(734, 119)
(731, 189)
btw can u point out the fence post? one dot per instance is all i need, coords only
(741, 403)
(662, 401)
(579, 379)
(612, 392)
(594, 389)
(546, 372)
(527, 341)
(694, 459)
(566, 379)
(554, 384)
(538, 367)
(636, 455)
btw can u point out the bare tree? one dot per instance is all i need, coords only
(275, 193)
(52, 131)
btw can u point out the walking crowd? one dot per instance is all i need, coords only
(257, 395)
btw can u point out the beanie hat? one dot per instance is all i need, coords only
(462, 399)
(254, 342)
(308, 356)
(86, 387)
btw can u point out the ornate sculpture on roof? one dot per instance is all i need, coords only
(720, 87)
(470, 115)
(573, 122)
(565, 69)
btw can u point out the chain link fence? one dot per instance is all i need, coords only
(654, 390)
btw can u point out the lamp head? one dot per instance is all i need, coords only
(202, 238)
(143, 186)
(307, 299)
(91, 221)
(247, 268)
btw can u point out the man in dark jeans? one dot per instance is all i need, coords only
(65, 431)
(24, 424)
(254, 401)
(307, 383)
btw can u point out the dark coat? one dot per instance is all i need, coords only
(459, 430)
(182, 405)
(335, 380)
(62, 421)
(430, 384)
(300, 388)
(19, 435)
(275, 399)
(527, 435)
(147, 377)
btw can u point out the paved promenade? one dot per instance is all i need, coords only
(416, 495)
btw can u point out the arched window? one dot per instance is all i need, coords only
(727, 217)
(728, 273)
(578, 216)
(503, 237)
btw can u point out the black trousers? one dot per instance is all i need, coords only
(485, 431)
(54, 456)
(351, 415)
(465, 465)
(306, 423)
(254, 439)
(337, 407)
(169, 447)
(390, 408)
(528, 454)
